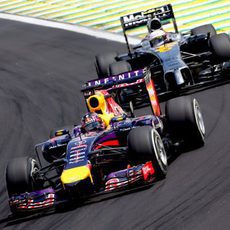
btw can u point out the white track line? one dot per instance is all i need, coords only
(70, 27)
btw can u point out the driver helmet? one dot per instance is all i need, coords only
(157, 37)
(92, 122)
(153, 24)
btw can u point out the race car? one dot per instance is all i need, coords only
(110, 151)
(178, 62)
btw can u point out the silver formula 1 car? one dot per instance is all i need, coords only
(178, 62)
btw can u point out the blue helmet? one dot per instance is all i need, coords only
(92, 122)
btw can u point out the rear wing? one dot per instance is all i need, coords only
(134, 20)
(125, 80)
(114, 81)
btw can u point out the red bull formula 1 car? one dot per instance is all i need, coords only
(76, 164)
(178, 62)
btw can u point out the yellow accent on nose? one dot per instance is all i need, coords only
(76, 174)
(166, 47)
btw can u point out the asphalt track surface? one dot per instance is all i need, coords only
(41, 72)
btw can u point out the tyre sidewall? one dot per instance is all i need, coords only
(143, 145)
(19, 175)
(185, 120)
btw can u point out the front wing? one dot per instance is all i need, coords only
(126, 179)
(32, 201)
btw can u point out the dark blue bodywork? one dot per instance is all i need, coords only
(79, 144)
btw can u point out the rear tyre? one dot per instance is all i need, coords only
(19, 175)
(185, 121)
(220, 47)
(204, 29)
(119, 67)
(145, 144)
(102, 63)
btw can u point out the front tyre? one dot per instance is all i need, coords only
(20, 175)
(102, 63)
(145, 144)
(119, 67)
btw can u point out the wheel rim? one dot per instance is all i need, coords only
(33, 170)
(199, 118)
(34, 167)
(159, 150)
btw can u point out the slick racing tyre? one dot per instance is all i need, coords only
(102, 63)
(220, 47)
(119, 67)
(145, 144)
(204, 29)
(185, 121)
(20, 175)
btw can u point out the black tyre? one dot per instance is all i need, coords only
(102, 63)
(185, 121)
(19, 175)
(204, 29)
(144, 144)
(119, 67)
(220, 47)
(115, 69)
